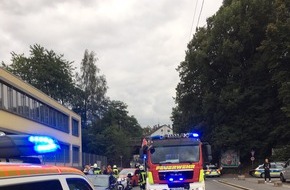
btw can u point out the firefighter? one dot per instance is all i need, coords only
(115, 170)
(142, 177)
(97, 170)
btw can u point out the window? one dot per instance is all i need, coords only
(5, 97)
(22, 104)
(75, 127)
(63, 153)
(1, 99)
(39, 185)
(78, 184)
(76, 153)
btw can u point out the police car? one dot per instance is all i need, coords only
(23, 175)
(212, 171)
(275, 170)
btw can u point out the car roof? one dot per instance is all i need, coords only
(9, 170)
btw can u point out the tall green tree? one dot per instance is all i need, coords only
(230, 87)
(91, 102)
(275, 53)
(45, 70)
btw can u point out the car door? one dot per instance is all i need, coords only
(287, 170)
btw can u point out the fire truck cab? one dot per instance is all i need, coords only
(175, 162)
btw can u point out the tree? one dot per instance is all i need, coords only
(112, 135)
(46, 71)
(231, 87)
(91, 99)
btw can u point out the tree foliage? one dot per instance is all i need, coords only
(91, 100)
(113, 134)
(234, 80)
(45, 70)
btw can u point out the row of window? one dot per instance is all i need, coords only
(63, 155)
(19, 103)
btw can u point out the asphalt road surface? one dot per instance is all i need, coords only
(232, 183)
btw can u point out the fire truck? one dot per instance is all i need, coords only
(175, 162)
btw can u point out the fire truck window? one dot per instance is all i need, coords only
(176, 154)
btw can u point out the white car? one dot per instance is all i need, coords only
(16, 176)
(285, 173)
(34, 175)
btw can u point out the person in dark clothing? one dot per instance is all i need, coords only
(267, 167)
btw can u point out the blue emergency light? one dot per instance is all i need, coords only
(175, 136)
(43, 144)
(171, 179)
(26, 145)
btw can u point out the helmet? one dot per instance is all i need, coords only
(137, 165)
(114, 166)
(141, 167)
(95, 165)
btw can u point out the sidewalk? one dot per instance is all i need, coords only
(251, 183)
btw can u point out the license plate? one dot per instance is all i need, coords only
(178, 188)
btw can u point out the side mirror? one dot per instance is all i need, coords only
(207, 154)
(152, 150)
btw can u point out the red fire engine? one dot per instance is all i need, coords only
(175, 162)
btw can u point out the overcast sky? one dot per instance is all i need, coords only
(139, 43)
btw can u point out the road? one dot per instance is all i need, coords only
(235, 184)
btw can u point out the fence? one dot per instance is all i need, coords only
(88, 158)
(63, 159)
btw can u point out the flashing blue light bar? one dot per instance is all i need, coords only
(175, 136)
(43, 144)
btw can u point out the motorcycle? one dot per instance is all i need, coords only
(124, 183)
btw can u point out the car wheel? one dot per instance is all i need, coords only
(282, 178)
(262, 175)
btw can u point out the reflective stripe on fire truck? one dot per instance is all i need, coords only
(201, 175)
(150, 178)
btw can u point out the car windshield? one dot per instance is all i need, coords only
(126, 171)
(99, 180)
(175, 154)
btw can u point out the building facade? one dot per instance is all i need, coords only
(26, 110)
(162, 130)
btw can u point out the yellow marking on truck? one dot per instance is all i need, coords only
(178, 167)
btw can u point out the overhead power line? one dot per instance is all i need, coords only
(193, 20)
(200, 13)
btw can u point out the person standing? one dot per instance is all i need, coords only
(142, 177)
(267, 167)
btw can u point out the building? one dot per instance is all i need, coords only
(26, 110)
(162, 130)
